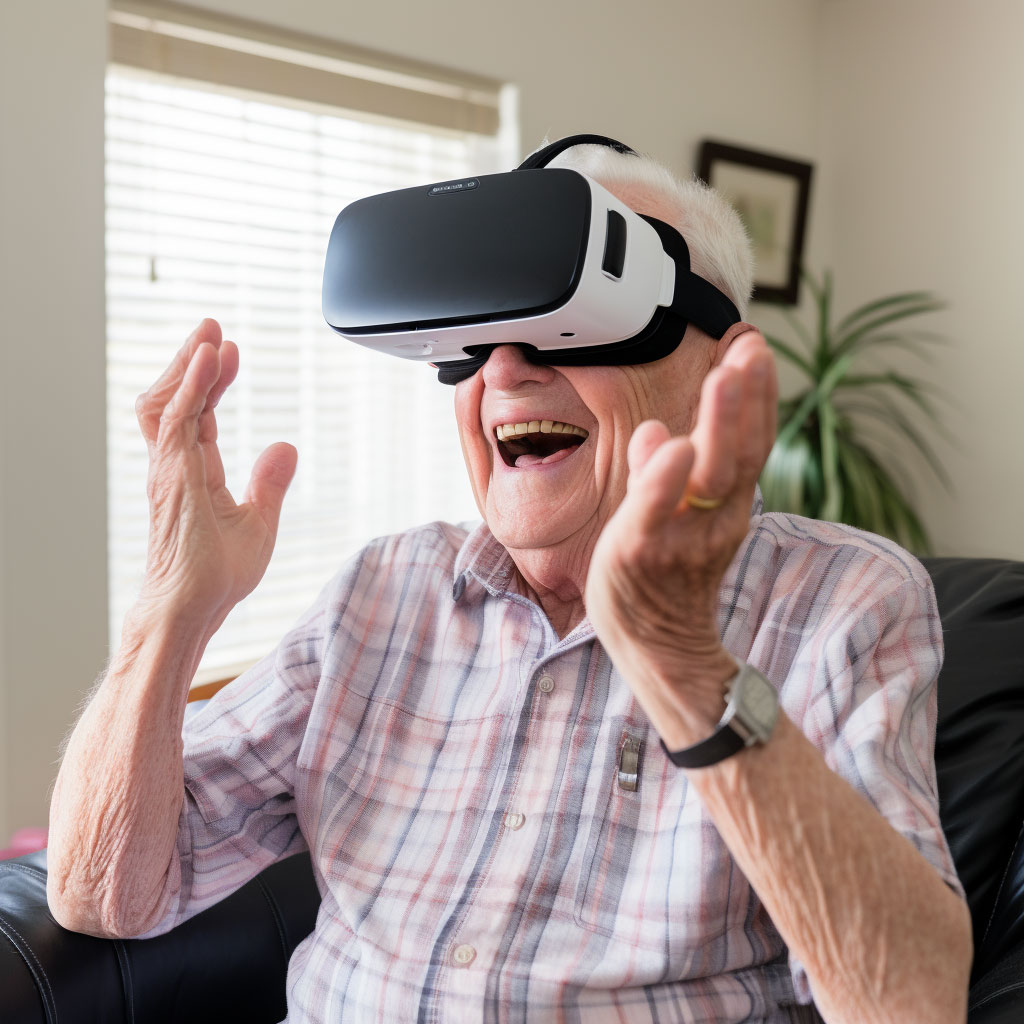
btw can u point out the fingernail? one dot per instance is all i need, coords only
(731, 390)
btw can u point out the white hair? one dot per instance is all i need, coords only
(720, 251)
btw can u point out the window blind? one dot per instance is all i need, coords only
(219, 202)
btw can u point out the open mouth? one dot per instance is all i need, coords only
(537, 442)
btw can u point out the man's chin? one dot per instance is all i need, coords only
(542, 512)
(523, 529)
(520, 536)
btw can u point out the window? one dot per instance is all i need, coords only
(220, 201)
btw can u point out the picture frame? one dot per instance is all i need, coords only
(771, 194)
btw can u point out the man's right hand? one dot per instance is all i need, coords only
(118, 797)
(206, 552)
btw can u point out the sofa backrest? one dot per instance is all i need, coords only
(979, 750)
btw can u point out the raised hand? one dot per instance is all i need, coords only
(206, 552)
(652, 588)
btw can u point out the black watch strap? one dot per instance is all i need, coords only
(717, 747)
(751, 711)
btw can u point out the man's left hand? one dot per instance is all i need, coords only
(654, 578)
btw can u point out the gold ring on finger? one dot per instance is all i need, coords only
(703, 503)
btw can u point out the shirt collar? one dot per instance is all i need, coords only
(482, 560)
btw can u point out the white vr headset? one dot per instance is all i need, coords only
(546, 259)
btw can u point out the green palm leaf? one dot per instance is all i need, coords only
(795, 421)
(915, 342)
(826, 461)
(862, 334)
(801, 332)
(862, 502)
(886, 411)
(791, 481)
(812, 286)
(851, 320)
(914, 391)
(824, 311)
(833, 498)
(787, 352)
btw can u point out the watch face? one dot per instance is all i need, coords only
(758, 703)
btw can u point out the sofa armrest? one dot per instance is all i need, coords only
(998, 997)
(228, 963)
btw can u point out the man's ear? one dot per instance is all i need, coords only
(722, 345)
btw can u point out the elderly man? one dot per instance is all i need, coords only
(464, 729)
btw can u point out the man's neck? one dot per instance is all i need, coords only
(555, 580)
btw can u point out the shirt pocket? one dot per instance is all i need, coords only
(393, 805)
(656, 876)
(405, 780)
(610, 842)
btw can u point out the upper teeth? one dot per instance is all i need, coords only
(507, 430)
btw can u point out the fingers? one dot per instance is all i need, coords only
(726, 451)
(179, 422)
(269, 482)
(659, 468)
(212, 461)
(715, 436)
(228, 373)
(642, 445)
(736, 420)
(755, 361)
(151, 404)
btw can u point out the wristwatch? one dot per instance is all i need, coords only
(750, 715)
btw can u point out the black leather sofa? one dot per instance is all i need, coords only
(228, 964)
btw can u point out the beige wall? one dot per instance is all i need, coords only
(899, 105)
(921, 136)
(603, 65)
(52, 417)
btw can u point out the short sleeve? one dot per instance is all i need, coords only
(871, 709)
(240, 753)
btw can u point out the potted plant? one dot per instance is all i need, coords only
(827, 462)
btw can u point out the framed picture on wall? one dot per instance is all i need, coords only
(771, 194)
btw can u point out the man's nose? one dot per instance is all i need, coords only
(507, 367)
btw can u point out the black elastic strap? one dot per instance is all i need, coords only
(694, 298)
(543, 156)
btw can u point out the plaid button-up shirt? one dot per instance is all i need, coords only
(453, 768)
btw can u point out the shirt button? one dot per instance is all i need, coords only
(463, 955)
(514, 820)
(545, 684)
